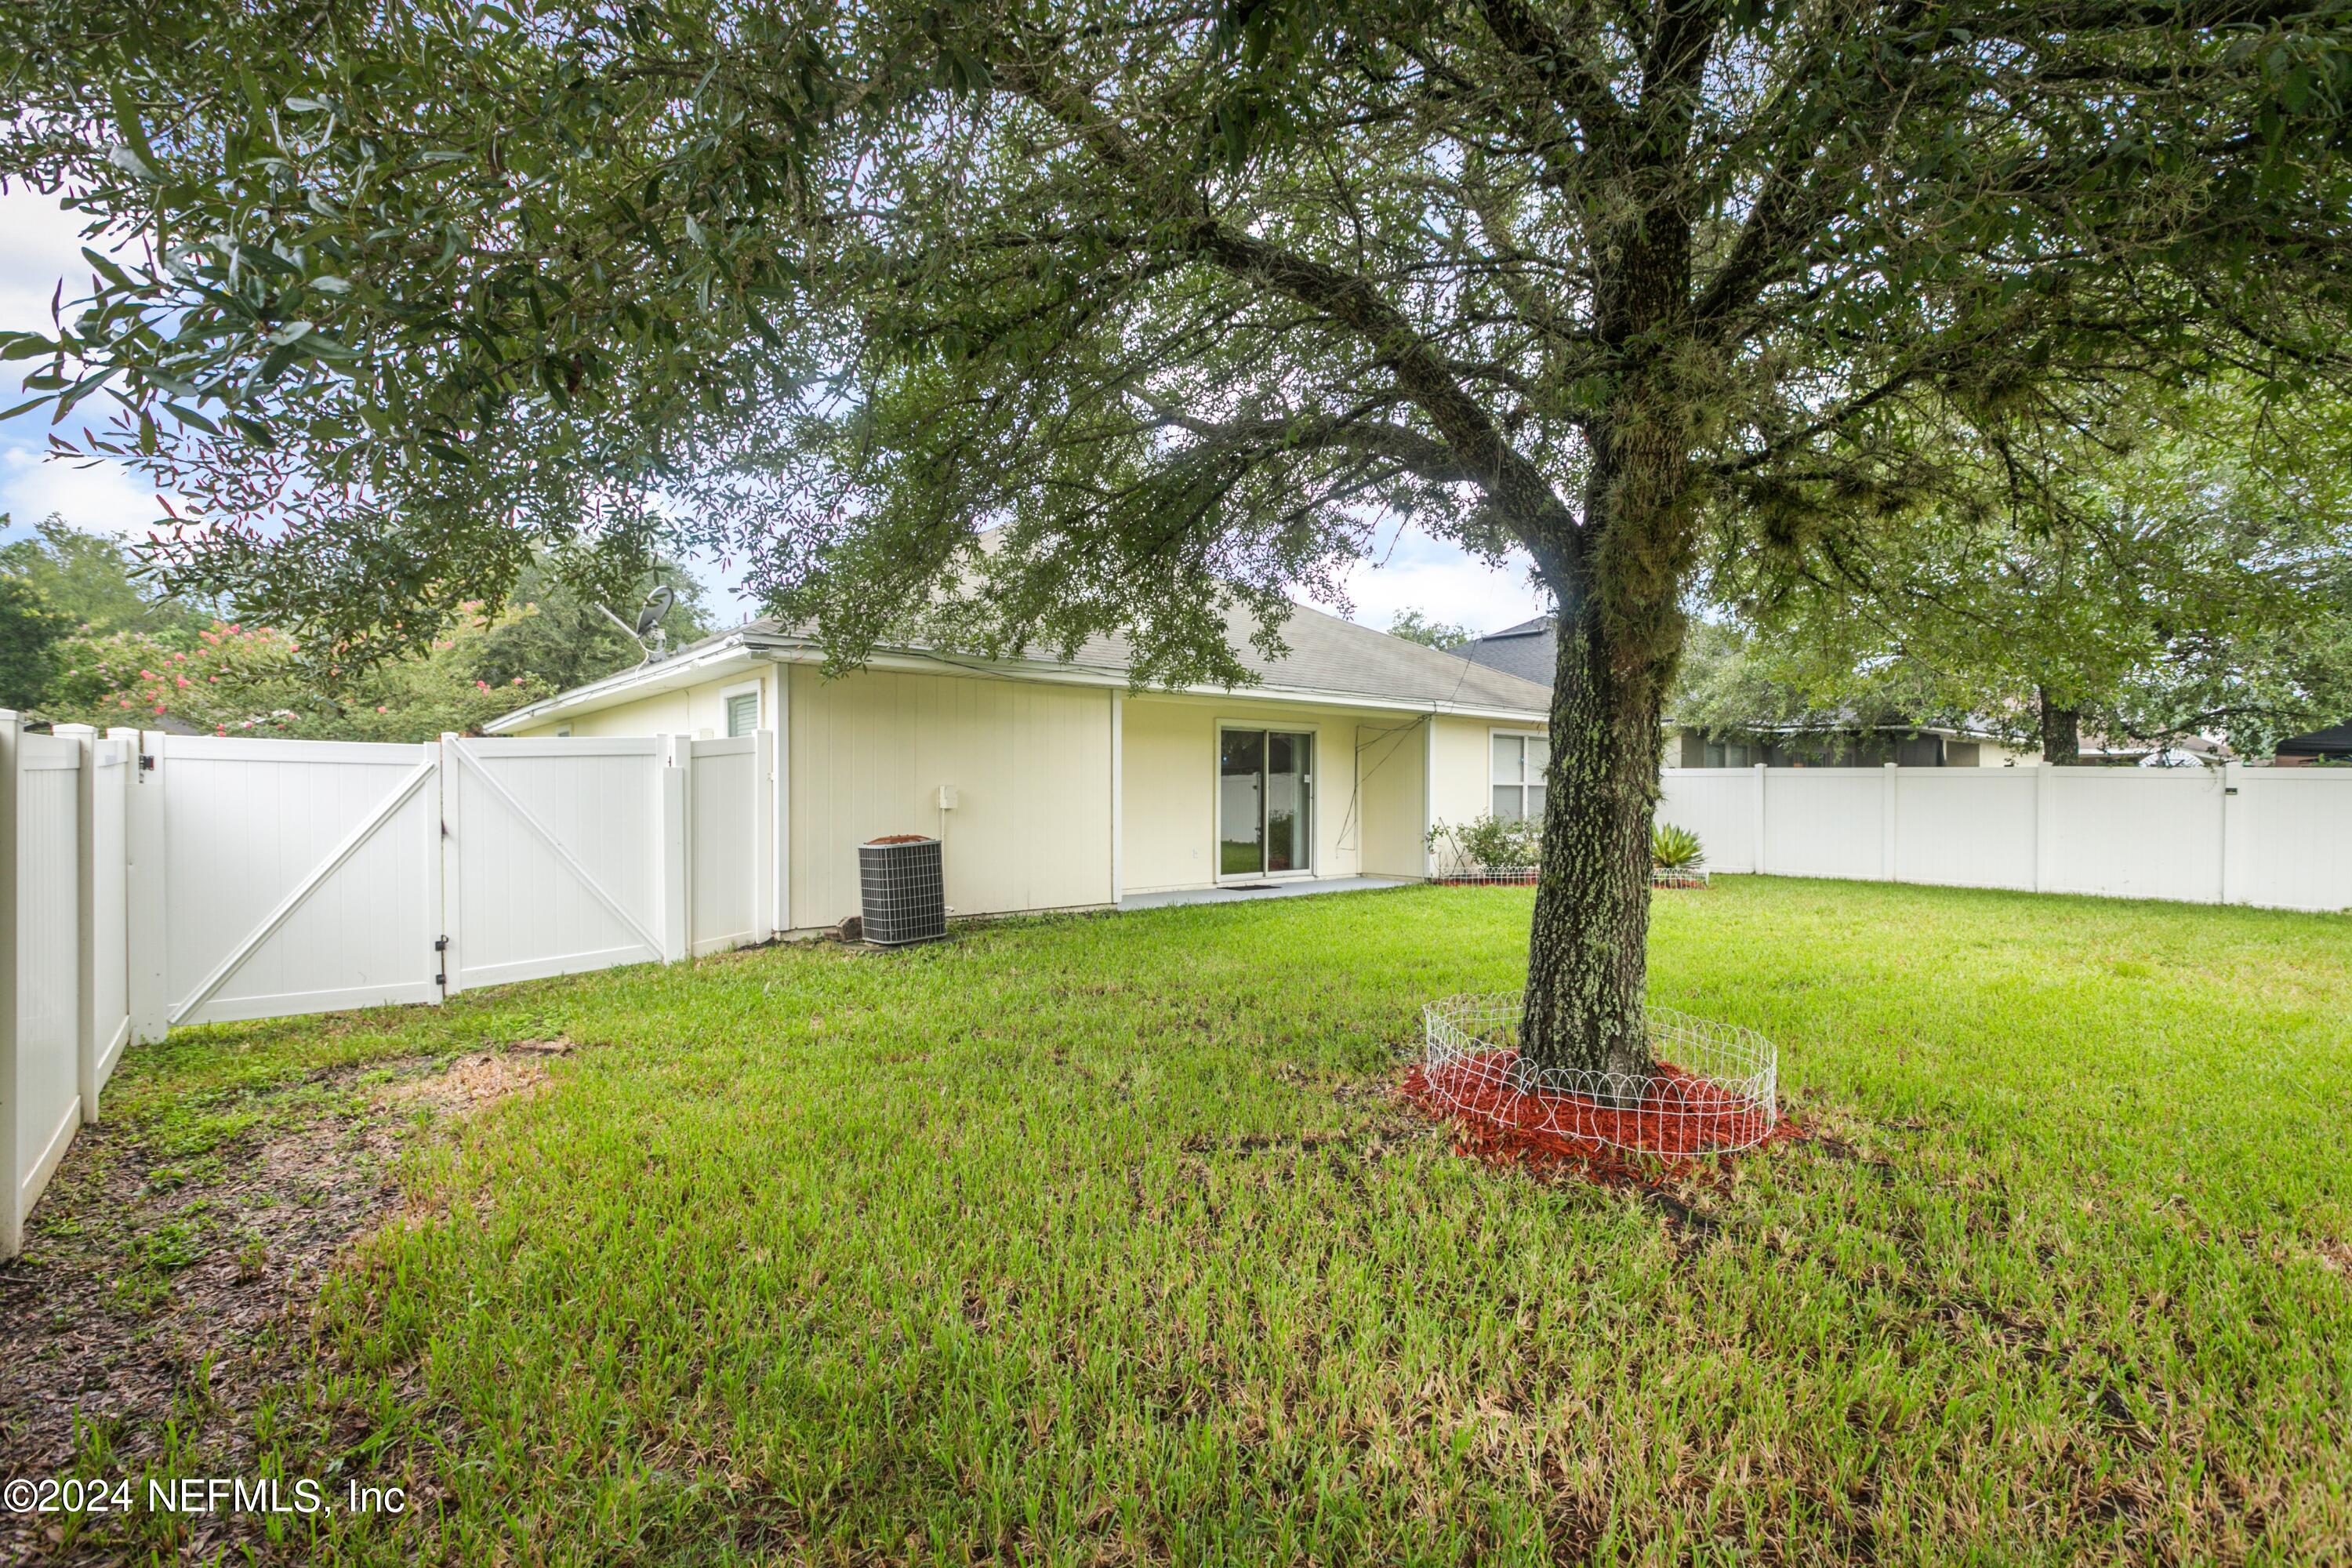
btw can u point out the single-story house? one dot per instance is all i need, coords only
(1530, 650)
(1056, 786)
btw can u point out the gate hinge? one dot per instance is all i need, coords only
(441, 944)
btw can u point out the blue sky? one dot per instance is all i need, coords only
(40, 243)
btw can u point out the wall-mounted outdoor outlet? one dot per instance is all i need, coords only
(946, 797)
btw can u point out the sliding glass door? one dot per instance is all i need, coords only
(1266, 785)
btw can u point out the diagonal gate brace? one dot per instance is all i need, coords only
(547, 836)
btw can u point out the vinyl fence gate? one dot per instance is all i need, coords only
(163, 882)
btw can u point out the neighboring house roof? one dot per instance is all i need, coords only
(1329, 660)
(1530, 650)
(2333, 742)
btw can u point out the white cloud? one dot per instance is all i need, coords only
(40, 243)
(1444, 582)
(104, 498)
(40, 248)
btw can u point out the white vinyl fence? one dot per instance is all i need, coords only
(170, 880)
(2275, 837)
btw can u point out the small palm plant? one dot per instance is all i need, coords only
(1677, 858)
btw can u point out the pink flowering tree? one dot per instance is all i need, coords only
(235, 679)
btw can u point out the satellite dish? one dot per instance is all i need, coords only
(649, 618)
(657, 605)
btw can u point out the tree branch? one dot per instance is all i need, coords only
(1518, 490)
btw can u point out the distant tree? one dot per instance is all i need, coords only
(235, 679)
(1414, 627)
(1723, 687)
(2178, 564)
(120, 647)
(1735, 682)
(1184, 296)
(449, 689)
(94, 581)
(58, 583)
(30, 629)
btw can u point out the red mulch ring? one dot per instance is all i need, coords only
(1681, 1119)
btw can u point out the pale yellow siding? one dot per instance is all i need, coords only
(697, 711)
(1030, 763)
(1464, 766)
(1391, 754)
(1367, 800)
(663, 713)
(1167, 814)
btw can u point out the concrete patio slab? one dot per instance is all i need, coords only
(1234, 895)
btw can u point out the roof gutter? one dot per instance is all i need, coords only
(639, 680)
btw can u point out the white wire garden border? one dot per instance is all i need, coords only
(1725, 1098)
(1488, 877)
(1460, 873)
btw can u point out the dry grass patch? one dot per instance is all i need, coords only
(170, 1273)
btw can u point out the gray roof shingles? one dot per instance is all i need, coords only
(2335, 741)
(1325, 653)
(1530, 650)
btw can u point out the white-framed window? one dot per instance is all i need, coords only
(742, 709)
(1519, 760)
(1732, 755)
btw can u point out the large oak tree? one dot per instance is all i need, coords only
(1183, 295)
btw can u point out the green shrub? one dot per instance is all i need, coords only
(1489, 842)
(1675, 849)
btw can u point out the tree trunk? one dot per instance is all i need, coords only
(1588, 947)
(2061, 732)
(1588, 944)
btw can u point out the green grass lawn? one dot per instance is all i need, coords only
(1105, 1239)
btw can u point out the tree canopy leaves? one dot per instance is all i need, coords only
(1179, 295)
(2167, 565)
